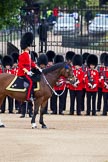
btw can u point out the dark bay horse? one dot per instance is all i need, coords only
(49, 77)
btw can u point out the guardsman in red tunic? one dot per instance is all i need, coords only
(68, 58)
(91, 81)
(100, 69)
(76, 86)
(50, 55)
(7, 63)
(59, 88)
(84, 68)
(25, 63)
(104, 81)
(15, 56)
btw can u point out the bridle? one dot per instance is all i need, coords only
(52, 88)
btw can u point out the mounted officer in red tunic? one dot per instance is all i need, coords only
(25, 63)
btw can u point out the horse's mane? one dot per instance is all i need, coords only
(53, 67)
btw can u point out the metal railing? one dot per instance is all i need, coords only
(60, 43)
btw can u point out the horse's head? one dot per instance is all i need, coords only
(67, 71)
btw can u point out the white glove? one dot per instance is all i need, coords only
(76, 83)
(90, 85)
(58, 84)
(101, 77)
(106, 85)
(29, 73)
(40, 70)
(94, 86)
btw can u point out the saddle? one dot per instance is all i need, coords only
(18, 84)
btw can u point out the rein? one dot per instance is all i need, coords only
(52, 88)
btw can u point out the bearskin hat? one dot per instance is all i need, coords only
(92, 60)
(102, 56)
(50, 54)
(34, 56)
(58, 58)
(42, 59)
(26, 40)
(106, 60)
(77, 60)
(84, 56)
(7, 60)
(15, 56)
(69, 55)
(1, 57)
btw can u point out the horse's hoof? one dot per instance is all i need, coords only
(2, 126)
(34, 125)
(44, 126)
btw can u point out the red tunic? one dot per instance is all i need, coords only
(9, 71)
(79, 74)
(68, 84)
(1, 70)
(100, 71)
(26, 62)
(60, 84)
(92, 75)
(15, 70)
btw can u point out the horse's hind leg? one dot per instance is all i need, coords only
(33, 119)
(36, 108)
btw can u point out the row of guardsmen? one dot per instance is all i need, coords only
(90, 78)
(91, 83)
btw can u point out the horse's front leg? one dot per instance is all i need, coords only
(36, 108)
(41, 118)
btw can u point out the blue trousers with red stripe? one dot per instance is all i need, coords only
(30, 87)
